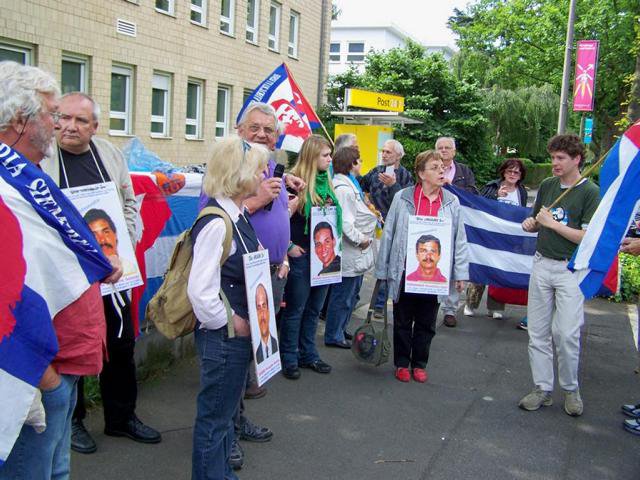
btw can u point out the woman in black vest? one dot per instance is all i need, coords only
(234, 172)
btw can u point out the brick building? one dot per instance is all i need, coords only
(174, 73)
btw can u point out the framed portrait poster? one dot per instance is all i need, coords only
(325, 248)
(429, 250)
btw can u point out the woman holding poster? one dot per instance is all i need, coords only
(414, 314)
(234, 172)
(299, 319)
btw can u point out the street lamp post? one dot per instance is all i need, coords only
(566, 71)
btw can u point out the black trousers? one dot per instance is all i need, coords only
(414, 326)
(118, 385)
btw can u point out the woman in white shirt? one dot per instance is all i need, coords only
(223, 342)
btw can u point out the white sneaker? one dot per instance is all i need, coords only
(467, 311)
(496, 315)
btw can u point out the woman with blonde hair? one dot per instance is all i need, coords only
(414, 314)
(223, 342)
(299, 319)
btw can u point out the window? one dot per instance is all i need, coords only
(334, 52)
(165, 6)
(274, 26)
(74, 74)
(121, 88)
(193, 127)
(294, 27)
(199, 12)
(246, 93)
(16, 53)
(227, 14)
(355, 52)
(222, 112)
(253, 14)
(160, 97)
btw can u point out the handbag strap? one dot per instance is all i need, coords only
(372, 304)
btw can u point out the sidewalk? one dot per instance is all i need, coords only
(360, 423)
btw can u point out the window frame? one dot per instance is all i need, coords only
(274, 37)
(255, 28)
(228, 20)
(292, 48)
(170, 11)
(225, 123)
(338, 53)
(198, 121)
(127, 115)
(200, 10)
(157, 78)
(28, 51)
(350, 53)
(84, 69)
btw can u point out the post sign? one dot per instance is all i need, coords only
(585, 81)
(354, 97)
(588, 130)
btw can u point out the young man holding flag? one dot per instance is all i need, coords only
(555, 308)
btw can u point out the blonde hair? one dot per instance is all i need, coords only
(232, 168)
(306, 168)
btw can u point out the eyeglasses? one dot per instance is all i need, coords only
(268, 131)
(513, 171)
(56, 116)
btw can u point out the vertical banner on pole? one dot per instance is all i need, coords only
(588, 130)
(586, 65)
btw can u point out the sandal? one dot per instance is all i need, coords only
(632, 426)
(631, 410)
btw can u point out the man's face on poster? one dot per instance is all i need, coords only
(325, 245)
(428, 255)
(105, 235)
(262, 310)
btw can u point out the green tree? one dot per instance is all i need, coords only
(446, 105)
(520, 43)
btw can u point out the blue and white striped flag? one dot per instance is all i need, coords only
(500, 251)
(620, 192)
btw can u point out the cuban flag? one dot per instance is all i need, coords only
(500, 251)
(168, 207)
(620, 192)
(295, 114)
(49, 258)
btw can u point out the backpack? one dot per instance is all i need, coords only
(170, 308)
(370, 345)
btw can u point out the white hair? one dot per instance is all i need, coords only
(397, 146)
(264, 108)
(96, 108)
(345, 140)
(449, 139)
(21, 90)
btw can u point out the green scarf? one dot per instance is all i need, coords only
(323, 190)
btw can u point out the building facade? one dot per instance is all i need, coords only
(174, 73)
(350, 44)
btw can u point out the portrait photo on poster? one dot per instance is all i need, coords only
(326, 243)
(429, 250)
(101, 209)
(262, 319)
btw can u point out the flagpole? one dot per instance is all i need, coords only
(588, 172)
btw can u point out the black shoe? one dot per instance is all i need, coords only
(317, 366)
(292, 372)
(135, 430)
(236, 458)
(347, 335)
(343, 344)
(249, 431)
(81, 441)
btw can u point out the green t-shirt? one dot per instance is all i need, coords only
(574, 210)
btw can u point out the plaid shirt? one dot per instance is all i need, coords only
(380, 194)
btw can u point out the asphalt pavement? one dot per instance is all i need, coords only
(360, 423)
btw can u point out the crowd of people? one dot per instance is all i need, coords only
(268, 211)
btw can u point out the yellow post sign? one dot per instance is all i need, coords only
(355, 97)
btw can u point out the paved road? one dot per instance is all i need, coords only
(360, 423)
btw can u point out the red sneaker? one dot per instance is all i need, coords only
(403, 374)
(420, 375)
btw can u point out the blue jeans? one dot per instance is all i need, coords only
(223, 370)
(381, 299)
(299, 320)
(46, 455)
(342, 301)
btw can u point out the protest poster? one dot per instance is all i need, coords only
(429, 250)
(325, 248)
(100, 206)
(262, 319)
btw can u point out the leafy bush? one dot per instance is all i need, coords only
(630, 278)
(536, 172)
